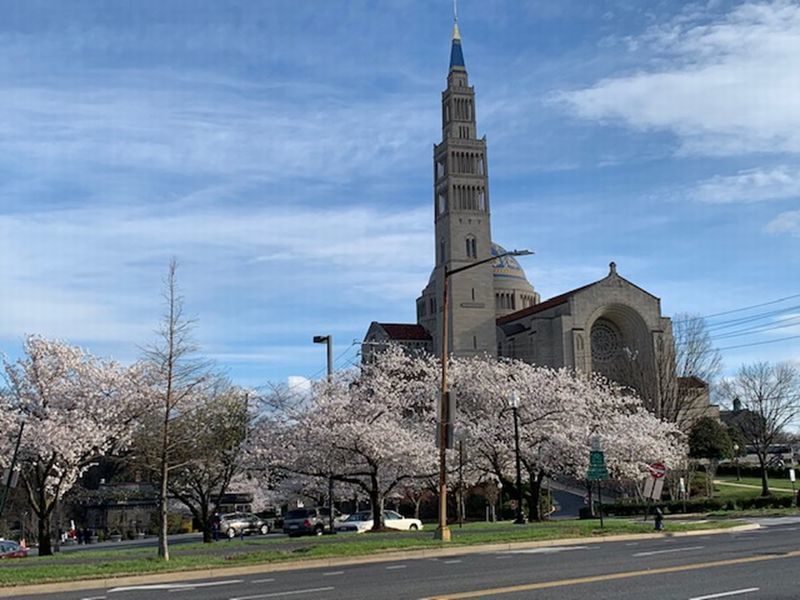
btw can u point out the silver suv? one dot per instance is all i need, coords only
(233, 524)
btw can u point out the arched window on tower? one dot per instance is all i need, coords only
(472, 247)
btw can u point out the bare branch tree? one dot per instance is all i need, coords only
(176, 379)
(673, 379)
(770, 401)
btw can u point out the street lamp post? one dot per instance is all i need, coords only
(513, 402)
(736, 460)
(328, 341)
(443, 531)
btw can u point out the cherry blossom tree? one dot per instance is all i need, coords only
(73, 408)
(373, 429)
(560, 412)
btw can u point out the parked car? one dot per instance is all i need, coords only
(309, 521)
(9, 549)
(233, 524)
(362, 521)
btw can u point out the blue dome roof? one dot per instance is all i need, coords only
(506, 266)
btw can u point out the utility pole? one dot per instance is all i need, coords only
(328, 341)
(446, 409)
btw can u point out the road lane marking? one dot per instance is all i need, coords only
(548, 549)
(632, 544)
(396, 567)
(173, 586)
(289, 593)
(329, 573)
(526, 587)
(671, 550)
(724, 594)
(94, 598)
(263, 580)
(451, 562)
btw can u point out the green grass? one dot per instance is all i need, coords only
(774, 484)
(92, 564)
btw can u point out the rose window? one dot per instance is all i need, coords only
(606, 341)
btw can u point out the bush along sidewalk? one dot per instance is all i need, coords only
(702, 505)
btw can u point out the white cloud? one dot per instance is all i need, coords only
(786, 222)
(753, 185)
(93, 274)
(723, 87)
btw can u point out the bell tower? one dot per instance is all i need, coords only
(461, 218)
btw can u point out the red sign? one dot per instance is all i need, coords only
(657, 470)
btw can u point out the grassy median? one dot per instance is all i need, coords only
(103, 563)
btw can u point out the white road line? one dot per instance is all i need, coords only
(651, 553)
(548, 550)
(396, 567)
(781, 529)
(173, 586)
(632, 544)
(289, 593)
(262, 580)
(724, 594)
(186, 589)
(94, 598)
(329, 573)
(451, 562)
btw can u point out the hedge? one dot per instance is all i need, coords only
(627, 509)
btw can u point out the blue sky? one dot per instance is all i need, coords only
(282, 152)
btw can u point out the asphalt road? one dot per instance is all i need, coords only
(762, 564)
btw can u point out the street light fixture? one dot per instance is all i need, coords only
(445, 412)
(328, 341)
(513, 402)
(736, 460)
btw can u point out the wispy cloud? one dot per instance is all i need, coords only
(786, 222)
(753, 185)
(724, 85)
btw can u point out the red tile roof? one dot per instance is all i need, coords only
(406, 331)
(542, 306)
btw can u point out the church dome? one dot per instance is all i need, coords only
(506, 266)
(512, 291)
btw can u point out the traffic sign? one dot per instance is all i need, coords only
(657, 470)
(597, 466)
(653, 488)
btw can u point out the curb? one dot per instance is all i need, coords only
(126, 580)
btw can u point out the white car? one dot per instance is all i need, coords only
(362, 521)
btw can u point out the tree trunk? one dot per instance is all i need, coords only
(764, 481)
(205, 521)
(534, 506)
(417, 503)
(376, 499)
(45, 544)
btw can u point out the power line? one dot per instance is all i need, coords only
(783, 339)
(735, 310)
(757, 317)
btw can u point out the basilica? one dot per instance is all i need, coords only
(492, 307)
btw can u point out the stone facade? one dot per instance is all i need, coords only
(492, 308)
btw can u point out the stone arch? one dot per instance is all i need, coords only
(619, 344)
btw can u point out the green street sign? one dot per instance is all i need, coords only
(597, 466)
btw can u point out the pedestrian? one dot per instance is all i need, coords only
(659, 519)
(79, 536)
(215, 527)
